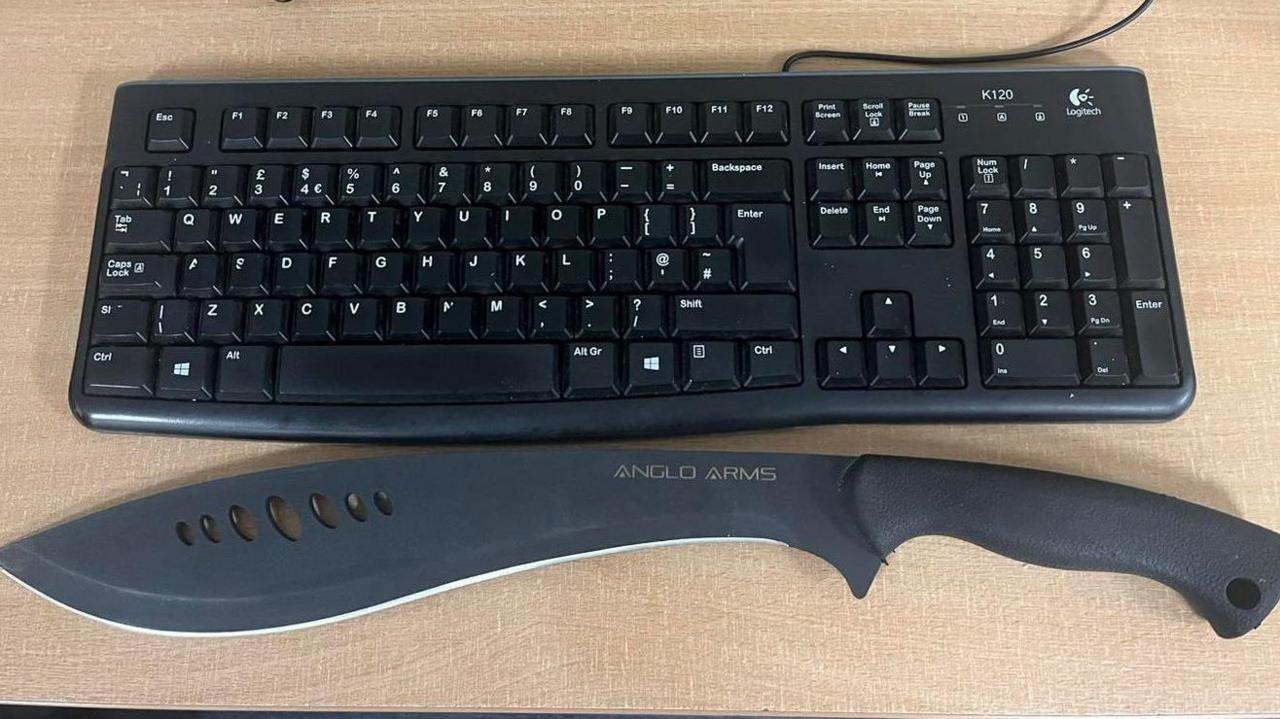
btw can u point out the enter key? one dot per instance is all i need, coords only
(1152, 353)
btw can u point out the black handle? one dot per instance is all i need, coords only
(1227, 568)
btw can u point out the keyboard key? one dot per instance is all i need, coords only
(610, 226)
(407, 319)
(1043, 268)
(1085, 221)
(1049, 314)
(138, 276)
(841, 364)
(766, 252)
(170, 130)
(266, 321)
(1153, 357)
(746, 180)
(1138, 258)
(407, 374)
(1037, 222)
(359, 185)
(437, 127)
(269, 186)
(720, 123)
(940, 364)
(120, 371)
(455, 319)
(990, 222)
(450, 183)
(995, 267)
(1126, 176)
(289, 128)
(246, 374)
(826, 122)
(378, 128)
(1000, 314)
(919, 120)
(549, 319)
(651, 369)
(243, 128)
(598, 317)
(495, 184)
(1030, 363)
(482, 126)
(710, 366)
(591, 370)
(631, 182)
(833, 225)
(241, 231)
(872, 121)
(134, 188)
(120, 322)
(1091, 267)
(766, 123)
(772, 364)
(734, 316)
(220, 322)
(195, 231)
(713, 270)
(831, 180)
(629, 124)
(185, 373)
(248, 275)
(139, 231)
(892, 365)
(174, 322)
(223, 187)
(179, 187)
(878, 179)
(200, 276)
(1105, 363)
(359, 320)
(886, 314)
(986, 178)
(1033, 177)
(526, 126)
(1098, 314)
(666, 270)
(926, 179)
(313, 321)
(700, 226)
(332, 128)
(315, 185)
(930, 224)
(571, 126)
(881, 224)
(677, 182)
(1078, 176)
(677, 124)
(645, 317)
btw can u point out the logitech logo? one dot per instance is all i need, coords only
(1081, 99)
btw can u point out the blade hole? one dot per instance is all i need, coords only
(186, 534)
(243, 522)
(284, 518)
(323, 508)
(210, 528)
(356, 507)
(382, 502)
(1243, 593)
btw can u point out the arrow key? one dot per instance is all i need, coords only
(940, 363)
(892, 366)
(886, 314)
(841, 364)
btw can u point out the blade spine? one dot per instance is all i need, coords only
(405, 599)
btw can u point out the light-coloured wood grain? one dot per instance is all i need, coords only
(946, 629)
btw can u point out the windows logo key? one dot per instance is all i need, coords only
(653, 364)
(181, 369)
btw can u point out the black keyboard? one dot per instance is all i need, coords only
(422, 260)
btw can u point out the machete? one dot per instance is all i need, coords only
(290, 548)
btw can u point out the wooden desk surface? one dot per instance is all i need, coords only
(946, 629)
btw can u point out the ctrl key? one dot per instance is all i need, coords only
(120, 371)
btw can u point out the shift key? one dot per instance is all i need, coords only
(721, 316)
(1152, 353)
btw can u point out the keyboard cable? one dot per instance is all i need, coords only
(969, 59)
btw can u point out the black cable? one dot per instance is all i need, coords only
(963, 60)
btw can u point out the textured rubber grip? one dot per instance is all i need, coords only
(1227, 568)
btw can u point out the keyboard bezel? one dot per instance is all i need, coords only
(1123, 90)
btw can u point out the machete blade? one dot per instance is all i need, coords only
(418, 525)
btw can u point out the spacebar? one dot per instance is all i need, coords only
(367, 374)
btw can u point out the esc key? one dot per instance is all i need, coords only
(170, 130)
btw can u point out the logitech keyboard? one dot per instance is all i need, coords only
(456, 259)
